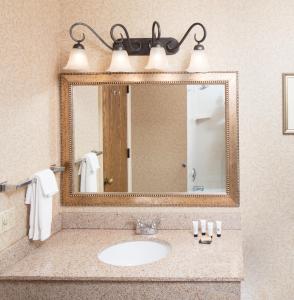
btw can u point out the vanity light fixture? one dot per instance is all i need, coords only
(120, 59)
(78, 60)
(157, 58)
(156, 47)
(198, 60)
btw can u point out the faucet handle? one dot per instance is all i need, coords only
(155, 223)
(149, 227)
(139, 223)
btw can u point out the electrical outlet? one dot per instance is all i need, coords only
(7, 220)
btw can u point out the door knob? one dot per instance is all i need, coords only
(108, 180)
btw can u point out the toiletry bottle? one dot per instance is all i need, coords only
(218, 228)
(195, 228)
(203, 227)
(210, 229)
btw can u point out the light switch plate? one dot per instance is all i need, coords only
(7, 220)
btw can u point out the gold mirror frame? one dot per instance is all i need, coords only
(228, 79)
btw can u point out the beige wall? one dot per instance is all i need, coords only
(159, 138)
(257, 39)
(29, 111)
(254, 37)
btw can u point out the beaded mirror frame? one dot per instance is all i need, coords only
(229, 199)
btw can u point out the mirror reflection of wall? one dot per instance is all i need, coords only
(87, 114)
(153, 138)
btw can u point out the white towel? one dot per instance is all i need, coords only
(39, 196)
(88, 172)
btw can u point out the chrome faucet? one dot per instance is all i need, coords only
(147, 228)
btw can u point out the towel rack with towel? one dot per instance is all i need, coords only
(94, 151)
(5, 187)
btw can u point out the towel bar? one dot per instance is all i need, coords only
(94, 151)
(5, 187)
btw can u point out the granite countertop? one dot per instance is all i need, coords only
(71, 254)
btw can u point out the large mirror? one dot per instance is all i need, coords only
(150, 139)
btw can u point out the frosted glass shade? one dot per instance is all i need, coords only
(157, 59)
(198, 62)
(78, 60)
(120, 62)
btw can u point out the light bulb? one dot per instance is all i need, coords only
(157, 59)
(198, 61)
(120, 61)
(78, 60)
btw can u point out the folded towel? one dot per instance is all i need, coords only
(88, 171)
(39, 196)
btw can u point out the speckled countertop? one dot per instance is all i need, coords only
(72, 255)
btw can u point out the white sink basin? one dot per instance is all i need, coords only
(134, 253)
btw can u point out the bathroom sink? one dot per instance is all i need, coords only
(134, 253)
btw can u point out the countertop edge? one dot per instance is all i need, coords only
(119, 279)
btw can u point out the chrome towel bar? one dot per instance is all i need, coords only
(5, 187)
(94, 151)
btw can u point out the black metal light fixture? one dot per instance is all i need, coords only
(156, 47)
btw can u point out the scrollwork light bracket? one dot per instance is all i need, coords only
(139, 46)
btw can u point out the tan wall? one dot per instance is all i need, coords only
(257, 39)
(29, 110)
(159, 138)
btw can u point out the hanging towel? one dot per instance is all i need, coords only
(39, 196)
(88, 172)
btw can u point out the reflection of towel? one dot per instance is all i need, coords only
(88, 172)
(39, 196)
